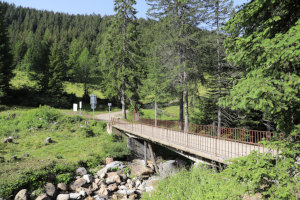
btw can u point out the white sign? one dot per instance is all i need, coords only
(80, 104)
(93, 99)
(75, 107)
(109, 104)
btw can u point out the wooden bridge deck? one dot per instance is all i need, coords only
(212, 148)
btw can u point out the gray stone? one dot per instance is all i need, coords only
(21, 195)
(78, 183)
(13, 158)
(167, 168)
(88, 178)
(63, 197)
(97, 197)
(103, 190)
(48, 140)
(82, 193)
(50, 189)
(115, 164)
(25, 155)
(8, 140)
(75, 196)
(62, 187)
(43, 197)
(81, 171)
(113, 187)
(102, 173)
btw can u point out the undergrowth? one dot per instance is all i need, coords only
(75, 143)
(269, 176)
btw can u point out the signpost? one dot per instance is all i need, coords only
(80, 106)
(93, 102)
(75, 106)
(109, 105)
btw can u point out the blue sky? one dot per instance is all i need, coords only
(103, 7)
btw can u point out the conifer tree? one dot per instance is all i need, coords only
(6, 66)
(179, 19)
(120, 57)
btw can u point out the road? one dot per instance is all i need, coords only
(107, 116)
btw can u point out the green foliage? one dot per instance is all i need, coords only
(265, 41)
(6, 58)
(272, 176)
(59, 159)
(127, 170)
(199, 183)
(64, 178)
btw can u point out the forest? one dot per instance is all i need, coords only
(233, 67)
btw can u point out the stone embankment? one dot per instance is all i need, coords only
(116, 181)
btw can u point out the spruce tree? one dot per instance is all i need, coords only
(6, 66)
(179, 19)
(120, 57)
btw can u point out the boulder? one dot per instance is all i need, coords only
(21, 195)
(81, 171)
(167, 168)
(77, 184)
(8, 140)
(140, 170)
(43, 197)
(75, 196)
(108, 160)
(50, 189)
(48, 140)
(97, 197)
(88, 178)
(113, 177)
(132, 197)
(113, 187)
(14, 158)
(115, 164)
(82, 193)
(103, 191)
(63, 197)
(62, 187)
(95, 186)
(25, 155)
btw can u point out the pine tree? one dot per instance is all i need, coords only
(57, 68)
(219, 12)
(6, 66)
(120, 59)
(180, 19)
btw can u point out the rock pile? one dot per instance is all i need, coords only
(112, 182)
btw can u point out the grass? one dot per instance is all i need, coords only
(21, 80)
(197, 184)
(74, 143)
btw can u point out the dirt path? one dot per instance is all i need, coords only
(107, 116)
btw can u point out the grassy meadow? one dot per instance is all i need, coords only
(74, 144)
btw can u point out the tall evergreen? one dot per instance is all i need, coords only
(218, 13)
(120, 59)
(264, 39)
(179, 19)
(6, 66)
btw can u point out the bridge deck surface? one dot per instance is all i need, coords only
(216, 149)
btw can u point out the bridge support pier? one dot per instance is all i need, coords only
(109, 128)
(145, 152)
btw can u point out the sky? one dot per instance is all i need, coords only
(102, 7)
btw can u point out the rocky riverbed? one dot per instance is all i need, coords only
(115, 181)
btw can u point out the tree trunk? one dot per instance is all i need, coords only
(181, 111)
(219, 72)
(186, 103)
(123, 101)
(155, 108)
(123, 97)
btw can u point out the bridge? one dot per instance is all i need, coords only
(200, 141)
